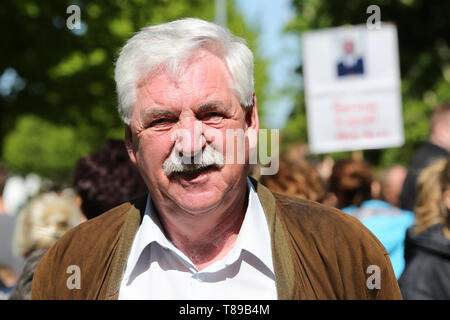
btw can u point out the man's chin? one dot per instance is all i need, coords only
(199, 203)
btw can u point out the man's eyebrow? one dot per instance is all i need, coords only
(147, 116)
(212, 106)
(156, 113)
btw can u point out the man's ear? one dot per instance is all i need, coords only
(129, 143)
(252, 122)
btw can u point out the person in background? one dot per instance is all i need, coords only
(3, 178)
(427, 244)
(437, 147)
(40, 224)
(7, 257)
(106, 178)
(391, 184)
(351, 181)
(102, 180)
(8, 280)
(297, 178)
(9, 264)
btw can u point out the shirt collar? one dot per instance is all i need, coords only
(149, 231)
(253, 237)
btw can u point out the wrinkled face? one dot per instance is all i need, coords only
(180, 118)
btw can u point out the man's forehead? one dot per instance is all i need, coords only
(204, 79)
(201, 64)
(209, 97)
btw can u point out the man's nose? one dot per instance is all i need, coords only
(190, 140)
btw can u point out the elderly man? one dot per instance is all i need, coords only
(205, 230)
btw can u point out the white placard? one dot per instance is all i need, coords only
(352, 88)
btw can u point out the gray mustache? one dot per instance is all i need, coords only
(188, 164)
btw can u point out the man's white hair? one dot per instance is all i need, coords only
(167, 45)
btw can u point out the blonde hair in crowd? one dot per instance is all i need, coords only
(430, 208)
(43, 221)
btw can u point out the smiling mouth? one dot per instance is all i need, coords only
(195, 173)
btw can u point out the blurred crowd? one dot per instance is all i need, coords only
(406, 208)
(101, 181)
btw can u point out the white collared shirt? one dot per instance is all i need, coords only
(156, 269)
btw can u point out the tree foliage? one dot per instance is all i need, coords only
(423, 33)
(63, 103)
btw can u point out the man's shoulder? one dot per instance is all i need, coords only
(105, 224)
(327, 243)
(300, 207)
(312, 222)
(89, 238)
(90, 248)
(319, 219)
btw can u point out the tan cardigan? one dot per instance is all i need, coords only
(318, 253)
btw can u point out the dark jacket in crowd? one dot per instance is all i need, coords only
(427, 271)
(22, 290)
(425, 155)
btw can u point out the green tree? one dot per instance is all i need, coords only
(423, 33)
(63, 103)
